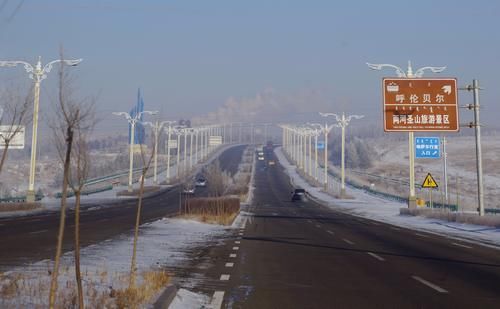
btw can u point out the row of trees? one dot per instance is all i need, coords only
(358, 153)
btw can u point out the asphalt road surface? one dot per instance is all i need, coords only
(33, 238)
(304, 255)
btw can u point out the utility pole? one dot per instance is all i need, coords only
(479, 155)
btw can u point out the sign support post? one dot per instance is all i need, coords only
(412, 200)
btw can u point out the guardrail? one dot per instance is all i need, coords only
(19, 199)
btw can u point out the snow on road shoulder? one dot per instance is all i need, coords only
(164, 244)
(376, 208)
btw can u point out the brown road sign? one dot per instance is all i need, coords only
(412, 104)
(429, 182)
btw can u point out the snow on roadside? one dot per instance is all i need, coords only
(164, 244)
(376, 208)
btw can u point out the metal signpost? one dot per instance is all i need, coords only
(429, 183)
(427, 148)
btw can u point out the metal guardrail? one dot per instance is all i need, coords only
(18, 199)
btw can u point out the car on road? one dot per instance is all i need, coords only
(201, 182)
(188, 190)
(298, 194)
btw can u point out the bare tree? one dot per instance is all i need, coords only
(71, 115)
(146, 163)
(79, 172)
(15, 114)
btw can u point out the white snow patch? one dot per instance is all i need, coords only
(105, 266)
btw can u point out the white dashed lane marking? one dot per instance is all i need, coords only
(348, 241)
(460, 245)
(330, 232)
(217, 299)
(430, 284)
(232, 255)
(237, 242)
(229, 264)
(38, 232)
(236, 248)
(378, 257)
(224, 277)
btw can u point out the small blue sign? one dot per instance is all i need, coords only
(321, 145)
(427, 148)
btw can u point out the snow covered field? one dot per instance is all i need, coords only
(462, 181)
(105, 267)
(368, 206)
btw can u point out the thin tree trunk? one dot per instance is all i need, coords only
(4, 156)
(77, 250)
(62, 220)
(136, 233)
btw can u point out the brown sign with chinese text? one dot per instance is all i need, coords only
(420, 104)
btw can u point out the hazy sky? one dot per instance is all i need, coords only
(189, 57)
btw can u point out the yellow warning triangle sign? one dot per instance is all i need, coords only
(429, 182)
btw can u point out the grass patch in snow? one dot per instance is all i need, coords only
(446, 215)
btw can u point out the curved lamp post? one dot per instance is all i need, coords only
(132, 121)
(36, 73)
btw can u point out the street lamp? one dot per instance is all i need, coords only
(36, 73)
(412, 200)
(169, 133)
(316, 133)
(132, 121)
(157, 126)
(326, 130)
(343, 122)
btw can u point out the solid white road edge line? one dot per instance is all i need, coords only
(217, 299)
(429, 284)
(378, 257)
(421, 235)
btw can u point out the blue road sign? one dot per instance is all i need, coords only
(321, 145)
(427, 147)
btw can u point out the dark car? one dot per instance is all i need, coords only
(201, 182)
(298, 195)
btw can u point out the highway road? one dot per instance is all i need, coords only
(33, 238)
(305, 255)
